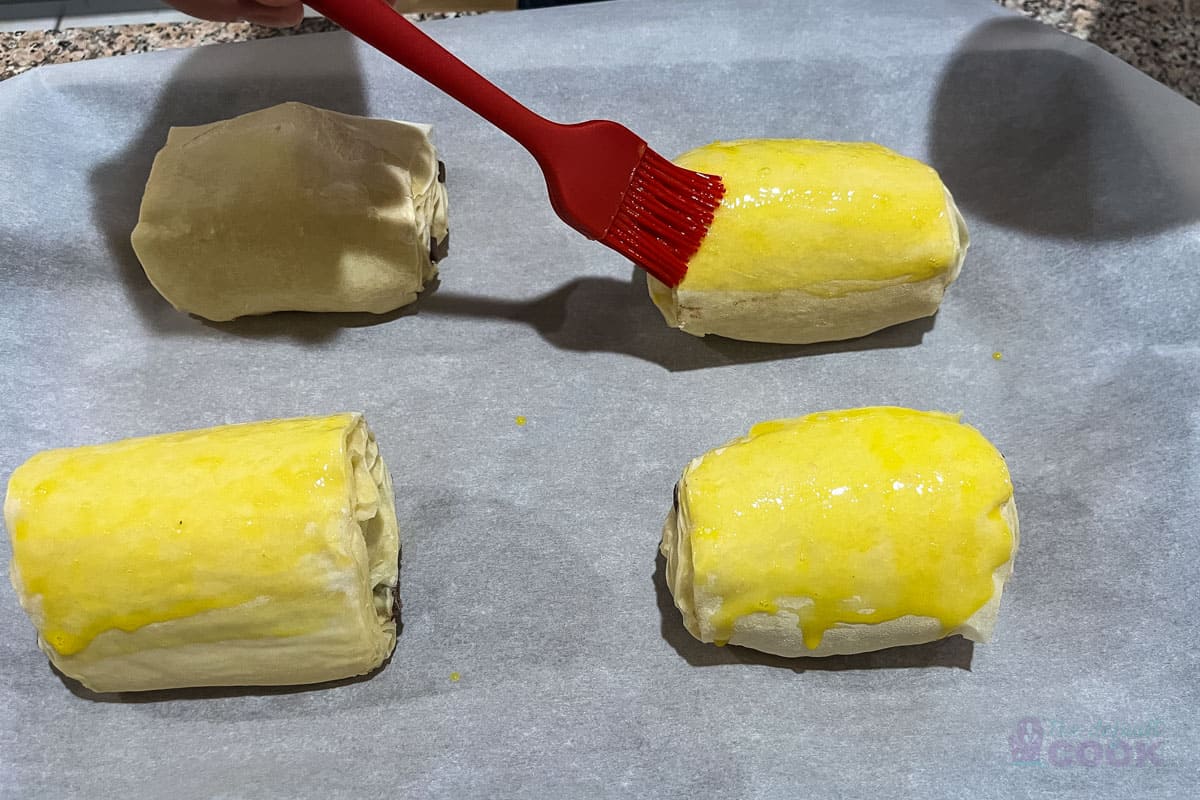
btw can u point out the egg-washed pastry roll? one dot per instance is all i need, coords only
(816, 241)
(843, 532)
(293, 208)
(257, 554)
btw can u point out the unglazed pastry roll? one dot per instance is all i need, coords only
(843, 532)
(292, 208)
(816, 241)
(257, 554)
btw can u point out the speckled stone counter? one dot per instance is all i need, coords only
(1159, 37)
(25, 50)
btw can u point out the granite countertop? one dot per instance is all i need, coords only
(1159, 37)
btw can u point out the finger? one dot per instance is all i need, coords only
(273, 13)
(215, 10)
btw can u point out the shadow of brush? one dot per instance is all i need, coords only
(596, 314)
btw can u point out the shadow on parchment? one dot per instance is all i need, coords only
(954, 652)
(591, 314)
(214, 83)
(607, 315)
(1040, 132)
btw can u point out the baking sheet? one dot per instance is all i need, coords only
(530, 552)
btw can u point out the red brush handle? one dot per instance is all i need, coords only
(379, 25)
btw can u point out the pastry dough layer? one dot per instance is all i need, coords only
(292, 208)
(816, 241)
(255, 554)
(843, 532)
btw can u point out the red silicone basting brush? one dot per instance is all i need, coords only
(603, 180)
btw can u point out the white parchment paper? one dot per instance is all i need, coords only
(530, 552)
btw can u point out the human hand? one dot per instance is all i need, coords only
(272, 13)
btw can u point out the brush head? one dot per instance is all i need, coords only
(664, 216)
(607, 184)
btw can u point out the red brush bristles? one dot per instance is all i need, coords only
(664, 216)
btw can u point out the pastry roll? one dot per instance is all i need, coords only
(256, 554)
(292, 208)
(816, 241)
(843, 532)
